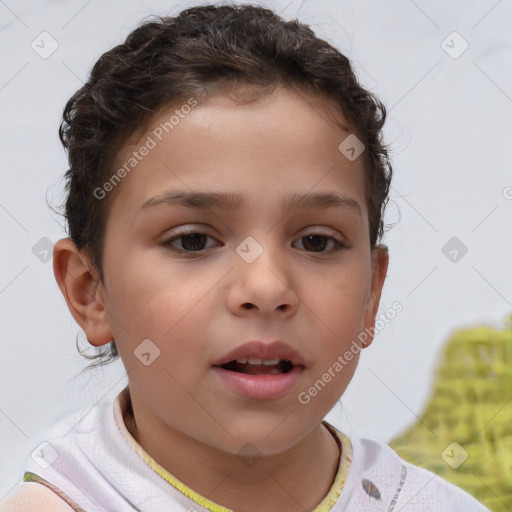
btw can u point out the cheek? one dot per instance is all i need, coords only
(158, 303)
(340, 301)
(339, 312)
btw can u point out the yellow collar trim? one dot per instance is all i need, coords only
(326, 504)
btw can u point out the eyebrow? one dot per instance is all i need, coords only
(233, 201)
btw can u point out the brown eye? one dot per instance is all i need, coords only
(318, 242)
(190, 242)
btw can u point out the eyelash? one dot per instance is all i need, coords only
(167, 243)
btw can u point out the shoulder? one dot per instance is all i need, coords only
(412, 488)
(30, 496)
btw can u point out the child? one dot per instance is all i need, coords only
(225, 197)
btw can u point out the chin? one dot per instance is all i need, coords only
(261, 437)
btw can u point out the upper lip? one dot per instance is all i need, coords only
(261, 350)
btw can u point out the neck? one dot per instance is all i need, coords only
(296, 480)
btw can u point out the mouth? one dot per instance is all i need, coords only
(259, 379)
(256, 366)
(259, 358)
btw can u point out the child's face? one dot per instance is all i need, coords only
(194, 306)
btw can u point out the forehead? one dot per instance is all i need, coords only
(283, 143)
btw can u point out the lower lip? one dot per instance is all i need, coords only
(260, 387)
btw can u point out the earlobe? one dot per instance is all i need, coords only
(379, 271)
(81, 287)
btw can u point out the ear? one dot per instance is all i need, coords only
(380, 261)
(79, 282)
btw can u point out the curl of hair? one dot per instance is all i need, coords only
(103, 358)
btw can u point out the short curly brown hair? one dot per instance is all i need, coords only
(201, 52)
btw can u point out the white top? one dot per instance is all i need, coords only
(99, 467)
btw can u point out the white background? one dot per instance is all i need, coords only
(450, 130)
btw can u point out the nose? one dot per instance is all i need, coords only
(263, 286)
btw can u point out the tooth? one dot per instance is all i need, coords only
(258, 361)
(242, 361)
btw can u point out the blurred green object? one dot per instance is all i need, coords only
(465, 433)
